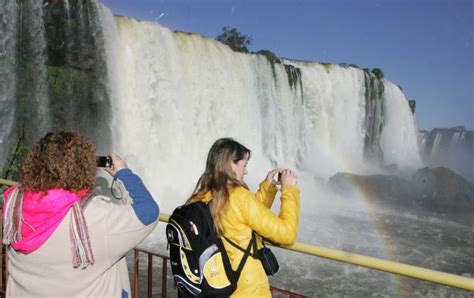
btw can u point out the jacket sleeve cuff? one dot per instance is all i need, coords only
(290, 187)
(143, 204)
(268, 186)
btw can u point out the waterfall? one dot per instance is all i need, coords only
(54, 72)
(333, 113)
(33, 100)
(175, 93)
(399, 139)
(181, 92)
(449, 147)
(77, 72)
(67, 9)
(374, 108)
(8, 76)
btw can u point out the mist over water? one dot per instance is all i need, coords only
(166, 96)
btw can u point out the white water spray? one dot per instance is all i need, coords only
(399, 136)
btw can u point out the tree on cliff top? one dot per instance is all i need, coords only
(234, 39)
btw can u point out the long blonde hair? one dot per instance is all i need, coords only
(219, 178)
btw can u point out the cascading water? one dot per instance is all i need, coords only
(183, 91)
(67, 9)
(9, 23)
(160, 99)
(374, 116)
(398, 140)
(33, 95)
(449, 147)
(55, 75)
(77, 72)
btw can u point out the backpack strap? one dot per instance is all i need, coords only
(218, 241)
(242, 262)
(252, 243)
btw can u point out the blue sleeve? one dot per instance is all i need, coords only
(143, 204)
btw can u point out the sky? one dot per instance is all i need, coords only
(424, 46)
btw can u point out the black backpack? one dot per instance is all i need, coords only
(199, 262)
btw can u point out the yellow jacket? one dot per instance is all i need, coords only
(249, 212)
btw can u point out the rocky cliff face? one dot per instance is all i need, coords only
(57, 73)
(437, 192)
(76, 68)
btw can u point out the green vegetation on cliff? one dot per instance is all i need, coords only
(294, 76)
(12, 167)
(374, 114)
(272, 58)
(239, 43)
(234, 39)
(67, 88)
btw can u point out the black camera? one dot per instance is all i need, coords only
(104, 161)
(279, 176)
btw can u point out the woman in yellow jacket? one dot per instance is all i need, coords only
(237, 211)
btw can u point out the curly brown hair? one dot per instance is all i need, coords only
(60, 160)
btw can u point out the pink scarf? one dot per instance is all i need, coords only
(30, 218)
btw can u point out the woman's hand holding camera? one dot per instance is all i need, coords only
(271, 176)
(288, 177)
(117, 165)
(284, 177)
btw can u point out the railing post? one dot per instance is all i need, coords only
(164, 278)
(3, 286)
(6, 269)
(135, 273)
(150, 274)
(1, 256)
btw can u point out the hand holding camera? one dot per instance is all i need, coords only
(281, 176)
(287, 177)
(272, 176)
(111, 164)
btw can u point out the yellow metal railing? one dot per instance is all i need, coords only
(7, 182)
(434, 276)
